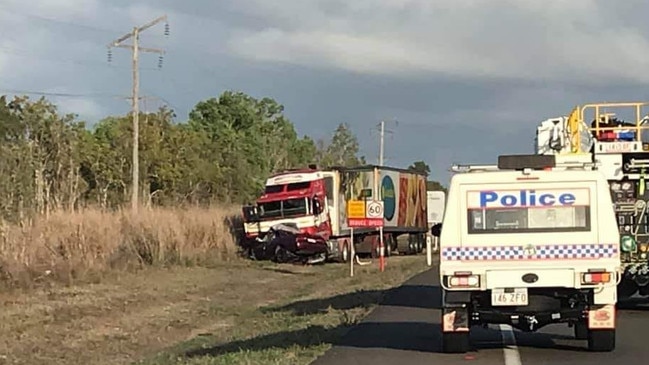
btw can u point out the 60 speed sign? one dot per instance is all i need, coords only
(374, 209)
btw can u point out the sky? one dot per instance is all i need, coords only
(457, 81)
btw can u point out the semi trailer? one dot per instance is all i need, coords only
(314, 200)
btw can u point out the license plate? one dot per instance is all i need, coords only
(513, 297)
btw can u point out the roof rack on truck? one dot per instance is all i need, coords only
(527, 163)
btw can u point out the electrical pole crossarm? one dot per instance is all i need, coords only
(142, 49)
(121, 39)
(152, 23)
(116, 43)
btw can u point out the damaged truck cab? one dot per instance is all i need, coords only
(527, 243)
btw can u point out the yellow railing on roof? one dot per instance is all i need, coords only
(576, 119)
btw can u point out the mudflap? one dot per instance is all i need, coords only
(455, 320)
(455, 330)
(601, 328)
(601, 317)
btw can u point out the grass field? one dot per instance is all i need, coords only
(82, 246)
(167, 288)
(234, 313)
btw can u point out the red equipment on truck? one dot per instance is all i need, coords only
(315, 202)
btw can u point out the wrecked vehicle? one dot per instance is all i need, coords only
(284, 243)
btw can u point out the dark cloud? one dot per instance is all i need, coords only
(467, 81)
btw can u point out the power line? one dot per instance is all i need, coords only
(7, 9)
(27, 54)
(135, 50)
(71, 95)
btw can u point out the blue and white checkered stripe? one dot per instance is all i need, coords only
(542, 252)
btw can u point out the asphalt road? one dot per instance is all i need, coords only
(405, 330)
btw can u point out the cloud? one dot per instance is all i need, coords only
(468, 79)
(551, 40)
(64, 10)
(85, 108)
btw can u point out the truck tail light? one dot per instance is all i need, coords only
(464, 281)
(596, 278)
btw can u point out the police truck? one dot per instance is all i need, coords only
(529, 242)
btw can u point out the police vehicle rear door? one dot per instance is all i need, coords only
(532, 220)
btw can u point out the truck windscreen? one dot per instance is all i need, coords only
(283, 208)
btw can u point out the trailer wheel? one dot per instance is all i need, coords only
(376, 246)
(421, 243)
(601, 340)
(388, 244)
(345, 252)
(412, 244)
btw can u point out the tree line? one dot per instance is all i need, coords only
(222, 153)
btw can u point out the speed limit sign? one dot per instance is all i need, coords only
(374, 209)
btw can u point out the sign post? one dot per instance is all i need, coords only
(352, 254)
(355, 211)
(374, 212)
(366, 214)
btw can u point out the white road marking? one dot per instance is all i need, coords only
(510, 350)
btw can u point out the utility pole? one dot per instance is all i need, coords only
(382, 143)
(382, 140)
(136, 49)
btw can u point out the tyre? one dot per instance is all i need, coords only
(455, 342)
(626, 289)
(412, 245)
(387, 242)
(581, 330)
(345, 252)
(387, 245)
(601, 340)
(281, 255)
(421, 243)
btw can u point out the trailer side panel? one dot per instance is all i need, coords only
(403, 194)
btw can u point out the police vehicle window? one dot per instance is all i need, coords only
(528, 211)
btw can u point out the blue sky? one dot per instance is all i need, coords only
(466, 79)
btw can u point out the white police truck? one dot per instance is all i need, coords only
(526, 243)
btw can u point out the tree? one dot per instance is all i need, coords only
(342, 150)
(250, 139)
(423, 168)
(224, 152)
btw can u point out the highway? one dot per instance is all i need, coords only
(404, 329)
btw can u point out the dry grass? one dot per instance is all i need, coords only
(81, 246)
(240, 312)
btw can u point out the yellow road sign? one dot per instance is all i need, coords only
(355, 209)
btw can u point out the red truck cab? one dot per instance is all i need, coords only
(294, 197)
